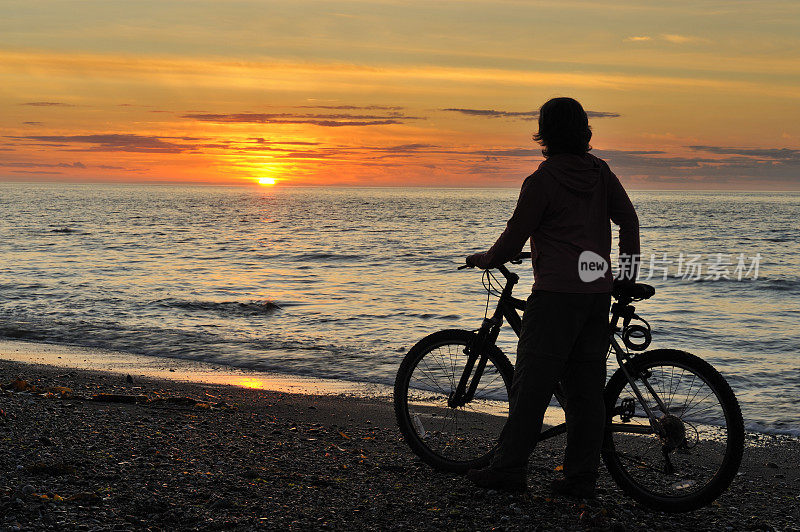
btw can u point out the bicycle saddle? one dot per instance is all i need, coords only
(636, 291)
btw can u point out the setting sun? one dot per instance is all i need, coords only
(267, 181)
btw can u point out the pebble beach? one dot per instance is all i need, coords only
(98, 450)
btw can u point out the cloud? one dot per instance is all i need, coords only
(776, 154)
(673, 38)
(744, 164)
(351, 107)
(112, 143)
(76, 164)
(324, 120)
(508, 152)
(260, 140)
(491, 113)
(305, 155)
(409, 147)
(653, 160)
(524, 115)
(48, 104)
(73, 165)
(155, 144)
(33, 123)
(284, 77)
(602, 114)
(35, 172)
(680, 39)
(356, 155)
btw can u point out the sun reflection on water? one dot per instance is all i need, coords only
(250, 382)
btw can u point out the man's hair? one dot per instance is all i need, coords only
(563, 127)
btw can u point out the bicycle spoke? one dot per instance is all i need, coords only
(491, 382)
(710, 393)
(435, 383)
(466, 432)
(689, 391)
(447, 374)
(638, 462)
(452, 360)
(684, 456)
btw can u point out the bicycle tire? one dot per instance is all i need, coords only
(440, 445)
(698, 478)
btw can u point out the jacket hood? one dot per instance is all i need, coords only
(581, 174)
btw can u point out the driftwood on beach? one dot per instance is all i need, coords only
(21, 385)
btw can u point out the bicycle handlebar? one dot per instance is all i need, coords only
(516, 260)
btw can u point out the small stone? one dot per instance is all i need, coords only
(221, 504)
(250, 473)
(772, 465)
(27, 489)
(129, 379)
(84, 496)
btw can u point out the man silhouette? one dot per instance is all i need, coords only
(564, 208)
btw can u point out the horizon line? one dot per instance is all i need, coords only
(291, 186)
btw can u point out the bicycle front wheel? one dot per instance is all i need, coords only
(451, 438)
(691, 453)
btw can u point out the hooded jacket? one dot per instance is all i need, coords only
(564, 209)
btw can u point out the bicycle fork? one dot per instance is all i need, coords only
(477, 355)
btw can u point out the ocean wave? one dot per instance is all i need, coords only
(430, 316)
(327, 256)
(745, 284)
(781, 285)
(204, 344)
(64, 230)
(775, 428)
(228, 308)
(19, 333)
(21, 286)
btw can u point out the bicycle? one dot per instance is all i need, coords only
(674, 435)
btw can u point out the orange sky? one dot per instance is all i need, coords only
(682, 95)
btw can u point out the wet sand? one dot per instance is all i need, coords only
(211, 456)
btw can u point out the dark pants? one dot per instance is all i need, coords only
(564, 338)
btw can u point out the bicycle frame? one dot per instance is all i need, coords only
(508, 308)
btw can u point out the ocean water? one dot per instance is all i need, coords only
(342, 282)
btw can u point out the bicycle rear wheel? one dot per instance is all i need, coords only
(699, 449)
(450, 439)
